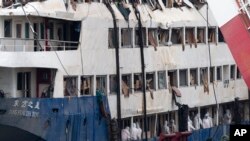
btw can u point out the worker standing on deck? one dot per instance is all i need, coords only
(165, 128)
(197, 121)
(134, 132)
(139, 131)
(190, 125)
(227, 117)
(207, 121)
(172, 126)
(125, 134)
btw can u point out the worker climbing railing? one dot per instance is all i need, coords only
(244, 9)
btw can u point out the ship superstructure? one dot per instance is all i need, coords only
(65, 51)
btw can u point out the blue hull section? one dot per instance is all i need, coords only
(217, 133)
(57, 119)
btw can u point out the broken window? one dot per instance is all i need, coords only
(101, 84)
(126, 37)
(193, 77)
(190, 36)
(183, 77)
(218, 71)
(70, 86)
(27, 30)
(162, 80)
(177, 36)
(163, 37)
(150, 80)
(212, 74)
(238, 73)
(137, 44)
(203, 76)
(138, 82)
(232, 72)
(172, 78)
(212, 34)
(111, 40)
(152, 37)
(18, 30)
(201, 34)
(112, 84)
(86, 85)
(7, 28)
(126, 84)
(220, 36)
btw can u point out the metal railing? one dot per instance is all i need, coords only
(30, 45)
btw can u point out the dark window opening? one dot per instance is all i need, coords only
(183, 78)
(27, 30)
(220, 36)
(177, 36)
(172, 78)
(211, 35)
(24, 83)
(219, 74)
(193, 77)
(112, 84)
(211, 74)
(138, 82)
(203, 76)
(163, 37)
(18, 30)
(137, 37)
(86, 85)
(150, 81)
(201, 35)
(152, 37)
(126, 37)
(162, 80)
(70, 86)
(126, 84)
(111, 41)
(7, 28)
(238, 73)
(42, 30)
(232, 72)
(101, 84)
(190, 36)
(51, 30)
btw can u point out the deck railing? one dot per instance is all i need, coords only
(29, 45)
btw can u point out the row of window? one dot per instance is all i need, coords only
(38, 28)
(131, 83)
(129, 37)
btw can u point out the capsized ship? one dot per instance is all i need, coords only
(75, 70)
